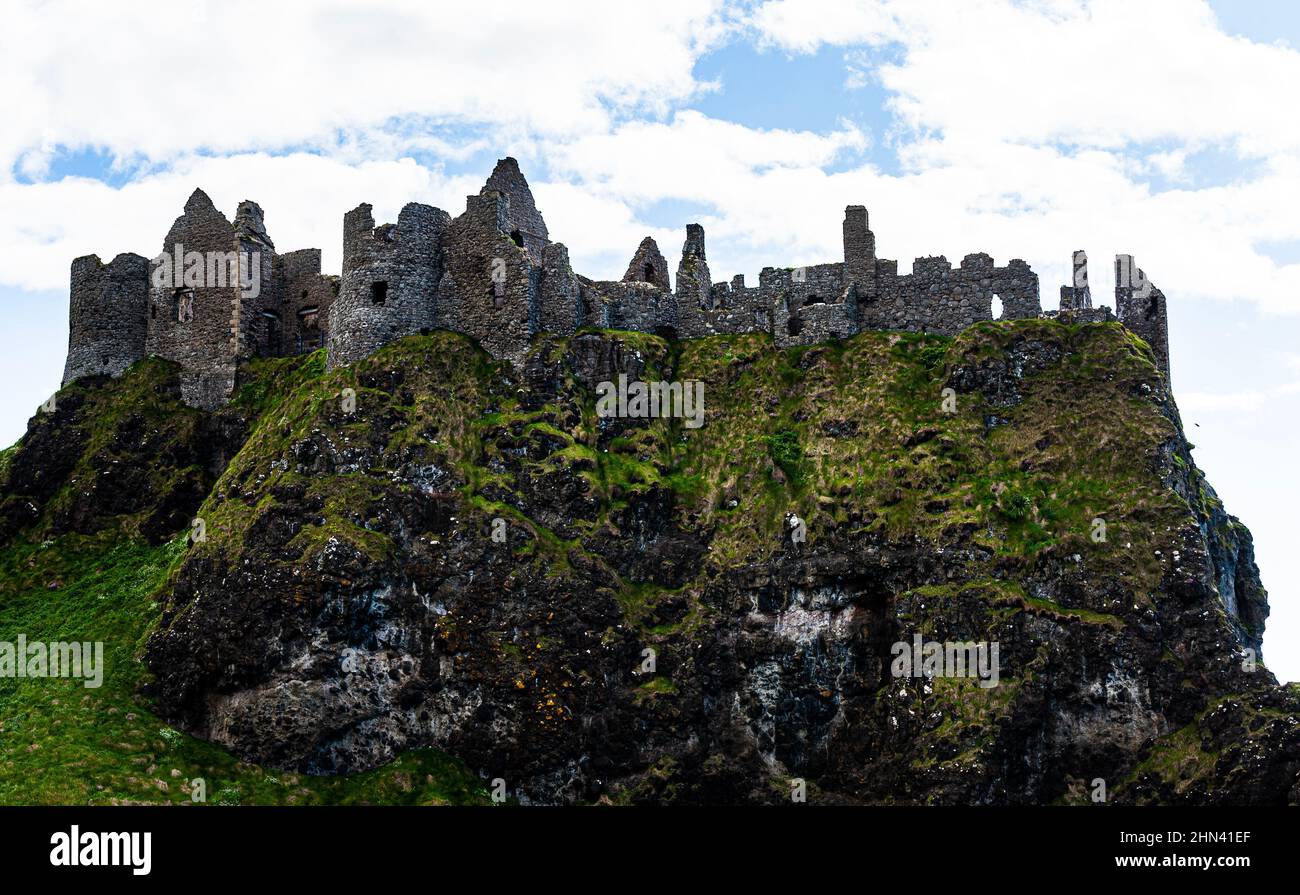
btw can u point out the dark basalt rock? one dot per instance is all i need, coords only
(472, 561)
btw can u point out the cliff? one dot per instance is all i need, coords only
(432, 553)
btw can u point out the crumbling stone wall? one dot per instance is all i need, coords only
(705, 308)
(491, 289)
(108, 309)
(260, 331)
(809, 304)
(648, 265)
(859, 250)
(1076, 299)
(493, 274)
(1078, 295)
(636, 306)
(307, 297)
(561, 300)
(523, 222)
(938, 299)
(1141, 307)
(390, 280)
(732, 308)
(197, 326)
(1102, 314)
(1017, 286)
(694, 282)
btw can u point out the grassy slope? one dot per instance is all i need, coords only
(63, 743)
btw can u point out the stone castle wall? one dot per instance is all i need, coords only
(194, 320)
(389, 283)
(561, 292)
(307, 298)
(492, 285)
(109, 312)
(493, 274)
(1140, 306)
(523, 223)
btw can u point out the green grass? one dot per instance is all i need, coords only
(63, 743)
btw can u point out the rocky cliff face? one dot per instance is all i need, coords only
(429, 549)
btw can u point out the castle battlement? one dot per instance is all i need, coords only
(220, 293)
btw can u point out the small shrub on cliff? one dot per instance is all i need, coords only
(785, 450)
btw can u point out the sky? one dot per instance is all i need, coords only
(1165, 129)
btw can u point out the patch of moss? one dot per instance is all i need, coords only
(659, 685)
(64, 743)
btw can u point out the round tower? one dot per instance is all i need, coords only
(390, 280)
(108, 312)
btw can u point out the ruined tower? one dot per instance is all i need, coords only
(859, 251)
(390, 278)
(523, 222)
(1141, 307)
(1078, 295)
(107, 312)
(648, 265)
(491, 288)
(694, 282)
(196, 298)
(259, 329)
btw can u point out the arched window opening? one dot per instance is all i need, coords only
(271, 321)
(309, 336)
(183, 305)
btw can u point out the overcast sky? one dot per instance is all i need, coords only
(1162, 128)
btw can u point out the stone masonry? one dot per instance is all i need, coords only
(220, 294)
(109, 311)
(1140, 306)
(390, 275)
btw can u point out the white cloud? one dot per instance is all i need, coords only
(1171, 165)
(1024, 123)
(1099, 73)
(161, 79)
(992, 89)
(304, 197)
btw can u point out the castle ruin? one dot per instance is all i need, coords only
(220, 294)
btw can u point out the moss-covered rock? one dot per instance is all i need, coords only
(430, 549)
